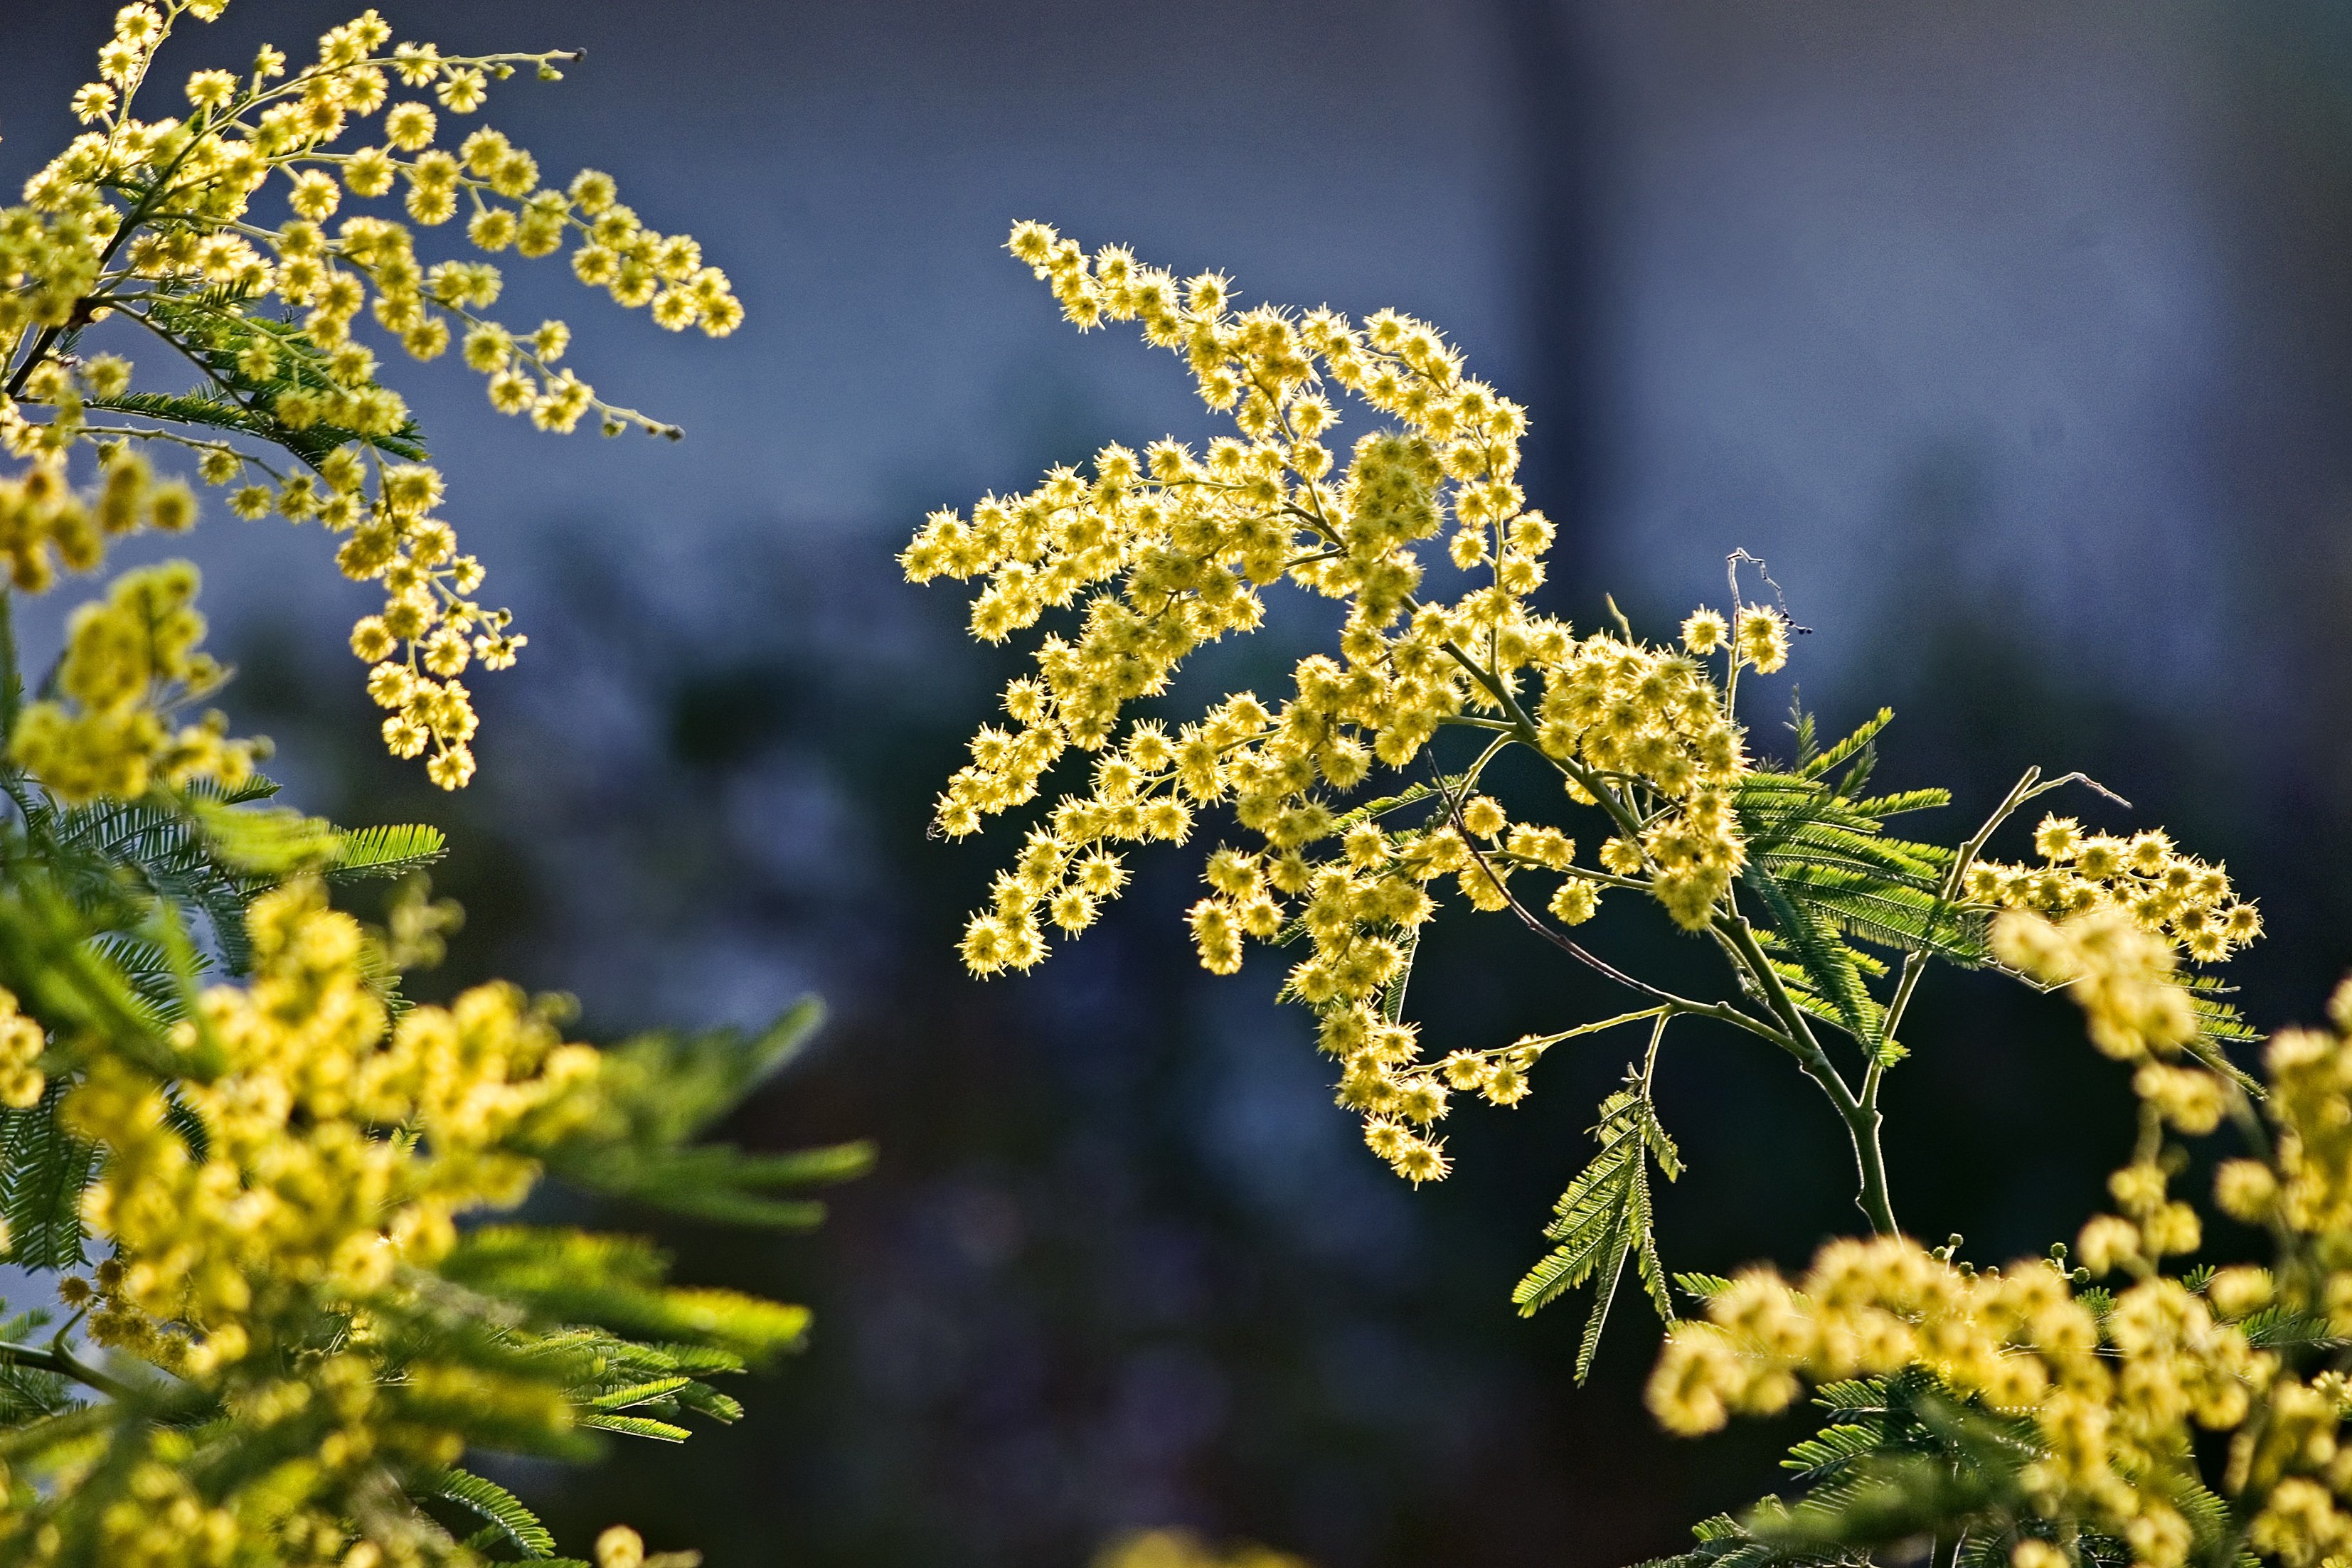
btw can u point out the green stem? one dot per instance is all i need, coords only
(1650, 1062)
(62, 1362)
(1722, 1012)
(1860, 1117)
(1862, 1124)
(1860, 1114)
(1864, 1120)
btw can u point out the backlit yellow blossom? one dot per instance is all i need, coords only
(2120, 972)
(2164, 892)
(1146, 558)
(2115, 1401)
(22, 1044)
(129, 664)
(206, 1071)
(175, 225)
(2119, 1392)
(300, 1186)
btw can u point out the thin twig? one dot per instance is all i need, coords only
(1721, 1011)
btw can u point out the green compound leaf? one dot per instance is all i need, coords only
(662, 1091)
(1828, 876)
(387, 852)
(44, 1170)
(511, 1520)
(636, 1427)
(1604, 1217)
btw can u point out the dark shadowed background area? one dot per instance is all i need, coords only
(2015, 336)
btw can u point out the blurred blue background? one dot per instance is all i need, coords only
(2014, 335)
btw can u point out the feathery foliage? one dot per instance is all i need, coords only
(1604, 1217)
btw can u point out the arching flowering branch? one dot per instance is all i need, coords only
(1418, 528)
(238, 238)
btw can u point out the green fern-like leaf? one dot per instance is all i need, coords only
(2280, 1328)
(636, 1427)
(1828, 876)
(1393, 996)
(1826, 961)
(216, 331)
(662, 1091)
(1412, 794)
(270, 843)
(639, 1393)
(1900, 803)
(1844, 751)
(386, 851)
(1701, 1286)
(1831, 1448)
(44, 1170)
(509, 1518)
(576, 1277)
(1589, 1213)
(1605, 1218)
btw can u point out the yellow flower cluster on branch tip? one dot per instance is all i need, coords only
(129, 662)
(301, 1342)
(2164, 892)
(1149, 557)
(168, 226)
(315, 1178)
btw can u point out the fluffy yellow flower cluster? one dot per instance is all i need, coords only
(2122, 977)
(172, 1527)
(2165, 892)
(1152, 557)
(1634, 714)
(2117, 1389)
(303, 1342)
(2120, 973)
(169, 1518)
(309, 1171)
(337, 1144)
(2310, 1189)
(2115, 1399)
(22, 1042)
(622, 1547)
(151, 223)
(44, 524)
(129, 664)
